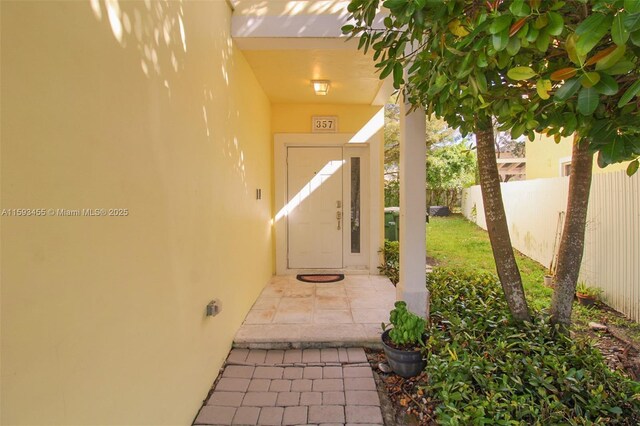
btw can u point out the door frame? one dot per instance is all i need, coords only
(372, 229)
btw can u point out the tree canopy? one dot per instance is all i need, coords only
(551, 66)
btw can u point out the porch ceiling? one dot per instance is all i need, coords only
(290, 43)
(285, 75)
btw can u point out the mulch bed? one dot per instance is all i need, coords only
(412, 406)
(620, 351)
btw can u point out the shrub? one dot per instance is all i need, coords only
(391, 262)
(485, 369)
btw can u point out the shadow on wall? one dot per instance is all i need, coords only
(146, 26)
(157, 30)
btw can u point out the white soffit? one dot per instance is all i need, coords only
(286, 18)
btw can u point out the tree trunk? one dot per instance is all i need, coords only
(572, 242)
(497, 222)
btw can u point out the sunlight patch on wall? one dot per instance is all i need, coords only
(97, 10)
(182, 36)
(206, 120)
(373, 126)
(113, 12)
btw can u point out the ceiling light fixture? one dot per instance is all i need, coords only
(321, 87)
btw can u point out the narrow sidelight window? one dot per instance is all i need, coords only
(355, 204)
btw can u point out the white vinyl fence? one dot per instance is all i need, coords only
(612, 242)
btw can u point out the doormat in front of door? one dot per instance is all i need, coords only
(320, 278)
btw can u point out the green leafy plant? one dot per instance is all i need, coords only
(586, 291)
(391, 264)
(408, 328)
(483, 368)
(391, 193)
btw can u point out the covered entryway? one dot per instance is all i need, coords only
(309, 71)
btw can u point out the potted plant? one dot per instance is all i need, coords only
(586, 295)
(403, 342)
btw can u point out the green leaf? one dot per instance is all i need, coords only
(619, 33)
(418, 16)
(397, 75)
(387, 70)
(570, 46)
(517, 130)
(613, 151)
(556, 23)
(533, 33)
(590, 32)
(394, 4)
(590, 79)
(632, 6)
(500, 40)
(622, 67)
(635, 36)
(611, 59)
(513, 46)
(607, 85)
(347, 29)
(632, 22)
(570, 123)
(482, 60)
(588, 100)
(631, 92)
(482, 82)
(541, 22)
(363, 40)
(521, 73)
(632, 168)
(542, 43)
(499, 24)
(568, 89)
(520, 8)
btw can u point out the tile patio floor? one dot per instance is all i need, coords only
(294, 314)
(330, 386)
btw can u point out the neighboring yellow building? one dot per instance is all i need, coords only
(547, 159)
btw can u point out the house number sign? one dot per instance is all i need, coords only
(327, 124)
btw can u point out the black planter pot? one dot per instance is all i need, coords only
(403, 363)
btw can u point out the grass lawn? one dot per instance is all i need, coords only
(455, 242)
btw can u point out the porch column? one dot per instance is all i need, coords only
(412, 286)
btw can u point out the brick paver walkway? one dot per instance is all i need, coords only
(329, 386)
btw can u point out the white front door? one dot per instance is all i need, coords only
(314, 197)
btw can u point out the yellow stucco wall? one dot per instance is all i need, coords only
(544, 156)
(103, 318)
(296, 118)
